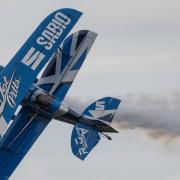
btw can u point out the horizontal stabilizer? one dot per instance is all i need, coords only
(84, 139)
(100, 125)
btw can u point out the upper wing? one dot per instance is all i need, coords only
(63, 68)
(20, 73)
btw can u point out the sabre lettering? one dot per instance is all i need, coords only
(100, 105)
(54, 30)
(48, 38)
(33, 58)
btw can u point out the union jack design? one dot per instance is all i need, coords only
(66, 63)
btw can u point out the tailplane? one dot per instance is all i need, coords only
(84, 139)
(95, 121)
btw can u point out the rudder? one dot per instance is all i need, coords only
(103, 109)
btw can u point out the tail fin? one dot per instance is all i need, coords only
(95, 121)
(103, 109)
(84, 139)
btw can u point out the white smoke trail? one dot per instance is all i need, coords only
(159, 116)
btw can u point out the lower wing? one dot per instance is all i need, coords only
(19, 138)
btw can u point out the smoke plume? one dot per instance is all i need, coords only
(159, 116)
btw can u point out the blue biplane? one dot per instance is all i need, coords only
(28, 104)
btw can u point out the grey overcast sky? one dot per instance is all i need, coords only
(137, 53)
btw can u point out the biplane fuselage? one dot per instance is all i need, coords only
(28, 104)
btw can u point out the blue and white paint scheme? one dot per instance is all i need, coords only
(84, 139)
(103, 109)
(22, 70)
(65, 65)
(39, 101)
